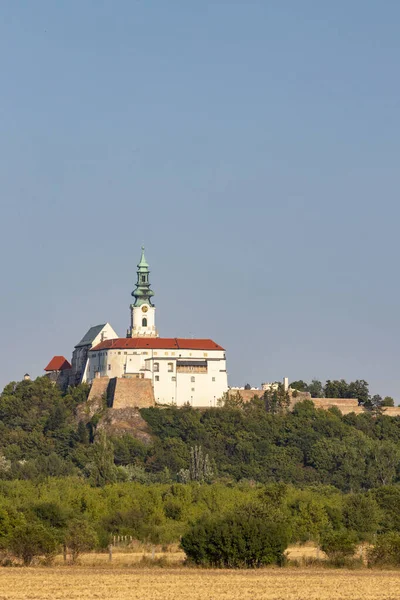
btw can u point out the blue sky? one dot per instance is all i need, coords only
(252, 146)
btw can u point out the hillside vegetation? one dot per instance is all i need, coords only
(40, 436)
(321, 476)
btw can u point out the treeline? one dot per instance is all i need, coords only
(339, 388)
(257, 442)
(39, 519)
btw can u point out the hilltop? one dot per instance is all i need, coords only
(47, 432)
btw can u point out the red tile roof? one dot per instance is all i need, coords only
(158, 344)
(58, 363)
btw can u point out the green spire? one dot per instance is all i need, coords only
(143, 293)
(143, 262)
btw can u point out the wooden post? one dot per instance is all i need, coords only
(110, 549)
(65, 552)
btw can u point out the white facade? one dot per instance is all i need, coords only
(143, 321)
(182, 371)
(179, 376)
(95, 335)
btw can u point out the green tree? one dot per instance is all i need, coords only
(359, 389)
(300, 386)
(276, 401)
(361, 515)
(336, 389)
(339, 545)
(80, 537)
(316, 389)
(31, 540)
(245, 539)
(386, 551)
(101, 469)
(387, 401)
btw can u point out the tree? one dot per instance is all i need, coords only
(102, 469)
(386, 551)
(316, 389)
(361, 515)
(245, 539)
(277, 400)
(299, 385)
(200, 467)
(30, 540)
(339, 545)
(336, 389)
(359, 389)
(374, 404)
(80, 537)
(387, 401)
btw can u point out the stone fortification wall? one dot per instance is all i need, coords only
(246, 395)
(123, 393)
(345, 405)
(133, 393)
(99, 388)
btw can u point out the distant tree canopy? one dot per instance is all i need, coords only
(299, 475)
(260, 441)
(339, 388)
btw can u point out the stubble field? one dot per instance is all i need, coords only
(70, 583)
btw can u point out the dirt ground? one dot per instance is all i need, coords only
(114, 583)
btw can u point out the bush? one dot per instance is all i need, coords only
(239, 540)
(31, 540)
(339, 545)
(386, 551)
(80, 537)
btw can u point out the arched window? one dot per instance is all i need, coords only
(144, 322)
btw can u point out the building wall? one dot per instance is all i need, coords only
(172, 383)
(80, 354)
(139, 327)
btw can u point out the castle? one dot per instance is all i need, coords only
(143, 369)
(176, 371)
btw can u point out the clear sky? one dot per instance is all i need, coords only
(251, 145)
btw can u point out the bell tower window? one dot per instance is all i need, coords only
(144, 322)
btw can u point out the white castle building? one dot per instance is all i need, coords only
(181, 370)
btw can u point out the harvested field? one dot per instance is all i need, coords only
(73, 583)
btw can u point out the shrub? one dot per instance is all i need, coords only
(80, 537)
(30, 540)
(339, 545)
(240, 540)
(386, 551)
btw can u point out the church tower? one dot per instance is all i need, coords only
(143, 311)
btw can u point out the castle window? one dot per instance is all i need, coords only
(109, 367)
(193, 379)
(205, 354)
(192, 389)
(173, 378)
(157, 378)
(143, 278)
(213, 378)
(156, 367)
(144, 322)
(170, 367)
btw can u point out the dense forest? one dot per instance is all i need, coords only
(40, 436)
(323, 472)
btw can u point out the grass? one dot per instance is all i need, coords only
(78, 583)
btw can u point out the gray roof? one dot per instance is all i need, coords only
(88, 338)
